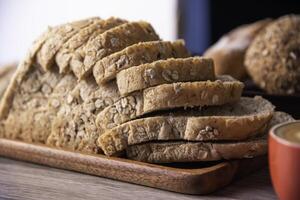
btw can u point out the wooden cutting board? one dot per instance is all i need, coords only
(189, 178)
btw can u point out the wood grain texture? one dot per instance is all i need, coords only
(26, 181)
(185, 180)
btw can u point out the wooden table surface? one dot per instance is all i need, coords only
(21, 180)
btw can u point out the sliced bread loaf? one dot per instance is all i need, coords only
(137, 54)
(237, 121)
(165, 71)
(167, 152)
(64, 55)
(111, 41)
(45, 56)
(168, 96)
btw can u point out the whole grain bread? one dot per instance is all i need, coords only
(109, 42)
(237, 121)
(165, 71)
(46, 55)
(272, 60)
(166, 152)
(137, 54)
(74, 126)
(64, 55)
(168, 96)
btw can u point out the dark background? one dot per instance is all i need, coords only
(203, 22)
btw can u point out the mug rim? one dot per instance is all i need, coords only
(280, 139)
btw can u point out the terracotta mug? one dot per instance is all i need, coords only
(284, 160)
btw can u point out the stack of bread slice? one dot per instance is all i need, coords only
(113, 87)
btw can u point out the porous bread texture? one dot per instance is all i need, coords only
(74, 126)
(165, 71)
(169, 96)
(273, 58)
(239, 121)
(180, 151)
(107, 68)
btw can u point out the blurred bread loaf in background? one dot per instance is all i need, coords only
(273, 58)
(228, 53)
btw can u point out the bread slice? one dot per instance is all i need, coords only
(137, 54)
(165, 71)
(169, 152)
(64, 55)
(112, 41)
(168, 96)
(237, 121)
(45, 56)
(180, 151)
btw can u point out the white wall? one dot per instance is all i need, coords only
(21, 21)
